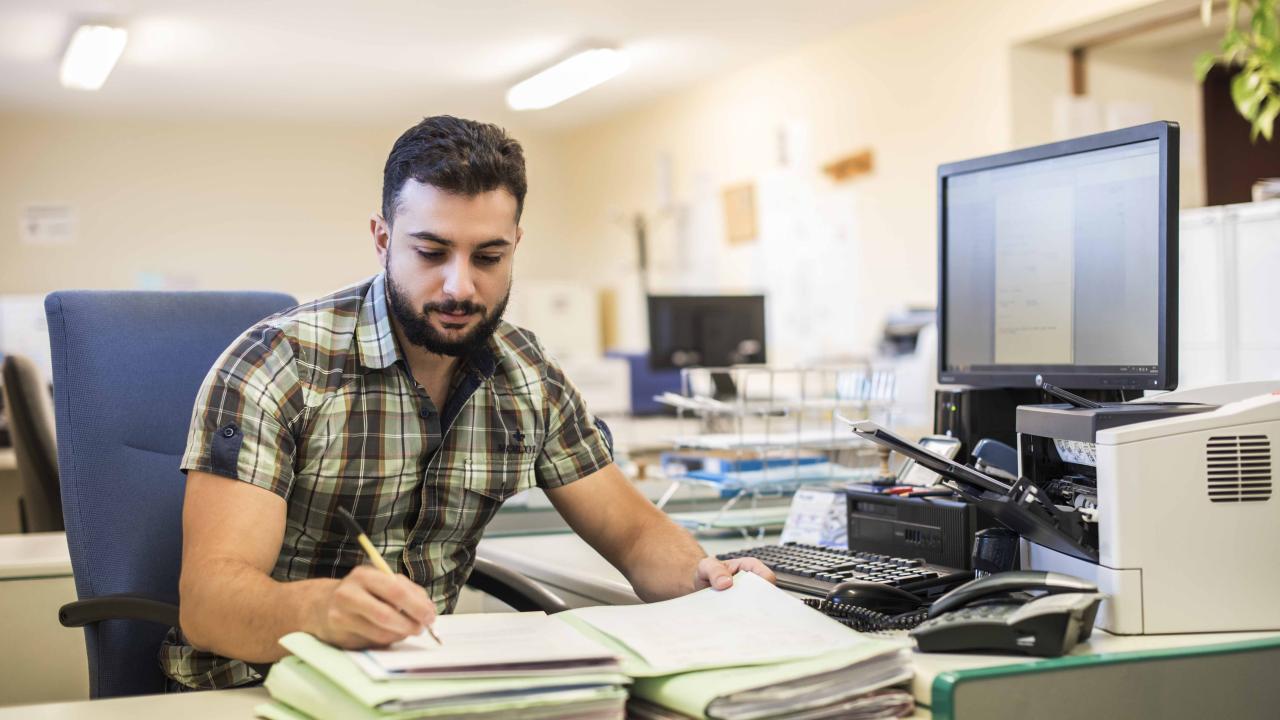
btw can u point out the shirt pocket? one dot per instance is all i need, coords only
(512, 440)
(500, 473)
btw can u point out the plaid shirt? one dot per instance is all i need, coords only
(316, 405)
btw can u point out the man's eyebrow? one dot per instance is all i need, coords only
(432, 237)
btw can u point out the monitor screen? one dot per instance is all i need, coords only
(705, 330)
(1061, 261)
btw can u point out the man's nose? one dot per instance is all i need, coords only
(459, 282)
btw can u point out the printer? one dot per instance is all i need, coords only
(1175, 515)
(1166, 504)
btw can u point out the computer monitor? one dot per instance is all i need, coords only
(1061, 261)
(705, 330)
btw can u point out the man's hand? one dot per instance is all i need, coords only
(719, 574)
(371, 608)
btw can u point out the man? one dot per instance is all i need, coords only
(407, 400)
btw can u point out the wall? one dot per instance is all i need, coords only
(192, 204)
(1126, 85)
(929, 85)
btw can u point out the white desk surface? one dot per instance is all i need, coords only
(34, 555)
(566, 561)
(212, 705)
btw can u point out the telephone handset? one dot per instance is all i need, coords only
(1034, 613)
(1000, 613)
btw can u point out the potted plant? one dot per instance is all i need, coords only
(1253, 47)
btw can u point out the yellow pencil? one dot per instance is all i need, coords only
(375, 557)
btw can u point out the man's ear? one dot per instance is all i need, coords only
(381, 232)
(519, 234)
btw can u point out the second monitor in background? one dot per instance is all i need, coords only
(706, 331)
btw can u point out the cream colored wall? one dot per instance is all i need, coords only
(228, 204)
(1126, 85)
(245, 204)
(1162, 81)
(926, 86)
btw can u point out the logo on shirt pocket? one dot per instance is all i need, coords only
(518, 443)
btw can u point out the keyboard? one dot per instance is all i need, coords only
(814, 570)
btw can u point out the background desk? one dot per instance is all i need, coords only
(41, 660)
(10, 491)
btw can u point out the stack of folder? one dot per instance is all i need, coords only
(740, 654)
(493, 665)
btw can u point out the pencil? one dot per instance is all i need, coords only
(375, 557)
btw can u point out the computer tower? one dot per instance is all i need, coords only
(938, 530)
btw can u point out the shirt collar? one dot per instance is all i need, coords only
(376, 341)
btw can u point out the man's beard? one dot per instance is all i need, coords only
(417, 327)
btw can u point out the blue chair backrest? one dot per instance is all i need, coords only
(126, 369)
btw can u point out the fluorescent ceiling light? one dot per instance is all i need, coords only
(93, 52)
(567, 78)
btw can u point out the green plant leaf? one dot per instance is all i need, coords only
(1240, 94)
(1265, 122)
(1204, 64)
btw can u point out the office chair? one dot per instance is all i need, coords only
(26, 402)
(126, 369)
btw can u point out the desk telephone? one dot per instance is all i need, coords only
(1034, 613)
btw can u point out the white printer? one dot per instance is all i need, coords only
(1166, 504)
(1182, 527)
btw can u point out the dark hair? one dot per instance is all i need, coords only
(455, 155)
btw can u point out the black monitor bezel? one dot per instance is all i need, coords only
(651, 298)
(1166, 377)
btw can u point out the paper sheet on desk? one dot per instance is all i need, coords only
(751, 623)
(527, 642)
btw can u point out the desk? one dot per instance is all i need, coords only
(562, 561)
(568, 565)
(188, 706)
(10, 491)
(42, 661)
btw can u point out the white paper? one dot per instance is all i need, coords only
(751, 623)
(487, 639)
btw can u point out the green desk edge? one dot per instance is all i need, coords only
(945, 684)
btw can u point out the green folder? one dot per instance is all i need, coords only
(304, 690)
(340, 671)
(693, 693)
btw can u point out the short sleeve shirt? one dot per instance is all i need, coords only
(316, 405)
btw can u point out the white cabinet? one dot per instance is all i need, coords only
(1229, 291)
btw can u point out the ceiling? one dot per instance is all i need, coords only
(379, 60)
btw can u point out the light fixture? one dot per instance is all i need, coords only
(93, 52)
(567, 78)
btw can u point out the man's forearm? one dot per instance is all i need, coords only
(662, 560)
(234, 609)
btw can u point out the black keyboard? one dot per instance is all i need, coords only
(815, 570)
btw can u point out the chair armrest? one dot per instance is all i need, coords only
(513, 588)
(118, 607)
